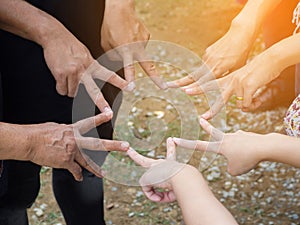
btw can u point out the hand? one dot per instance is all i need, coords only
(243, 82)
(159, 174)
(123, 30)
(71, 63)
(58, 145)
(243, 150)
(226, 55)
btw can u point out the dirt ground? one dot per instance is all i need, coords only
(267, 195)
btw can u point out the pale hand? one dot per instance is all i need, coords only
(227, 54)
(243, 150)
(159, 173)
(244, 82)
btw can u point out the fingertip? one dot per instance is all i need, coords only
(176, 140)
(108, 112)
(130, 151)
(206, 116)
(202, 121)
(172, 84)
(125, 145)
(130, 87)
(170, 142)
(164, 86)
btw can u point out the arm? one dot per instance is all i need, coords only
(197, 202)
(125, 37)
(244, 150)
(69, 61)
(285, 149)
(245, 81)
(14, 142)
(230, 52)
(57, 145)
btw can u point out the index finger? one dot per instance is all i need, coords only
(149, 67)
(190, 78)
(211, 130)
(100, 72)
(139, 159)
(171, 149)
(83, 126)
(95, 93)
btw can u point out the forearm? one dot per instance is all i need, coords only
(284, 149)
(285, 52)
(253, 15)
(14, 142)
(198, 204)
(27, 21)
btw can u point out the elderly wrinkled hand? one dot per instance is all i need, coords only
(59, 145)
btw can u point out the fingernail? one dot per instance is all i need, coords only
(164, 86)
(125, 145)
(130, 150)
(205, 116)
(130, 87)
(202, 120)
(169, 139)
(176, 139)
(188, 91)
(107, 109)
(80, 179)
(170, 84)
(109, 113)
(103, 173)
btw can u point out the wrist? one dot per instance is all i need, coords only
(49, 30)
(270, 144)
(184, 174)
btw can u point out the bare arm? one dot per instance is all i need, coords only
(69, 61)
(198, 204)
(244, 150)
(284, 149)
(230, 52)
(184, 183)
(57, 145)
(27, 21)
(14, 142)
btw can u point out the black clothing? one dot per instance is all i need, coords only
(30, 97)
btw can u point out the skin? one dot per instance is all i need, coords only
(68, 59)
(241, 154)
(248, 79)
(57, 145)
(223, 57)
(125, 37)
(194, 198)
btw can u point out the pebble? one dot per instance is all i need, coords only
(39, 212)
(114, 188)
(131, 214)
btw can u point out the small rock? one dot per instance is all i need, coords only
(39, 212)
(110, 206)
(131, 214)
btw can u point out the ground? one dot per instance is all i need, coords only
(266, 195)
